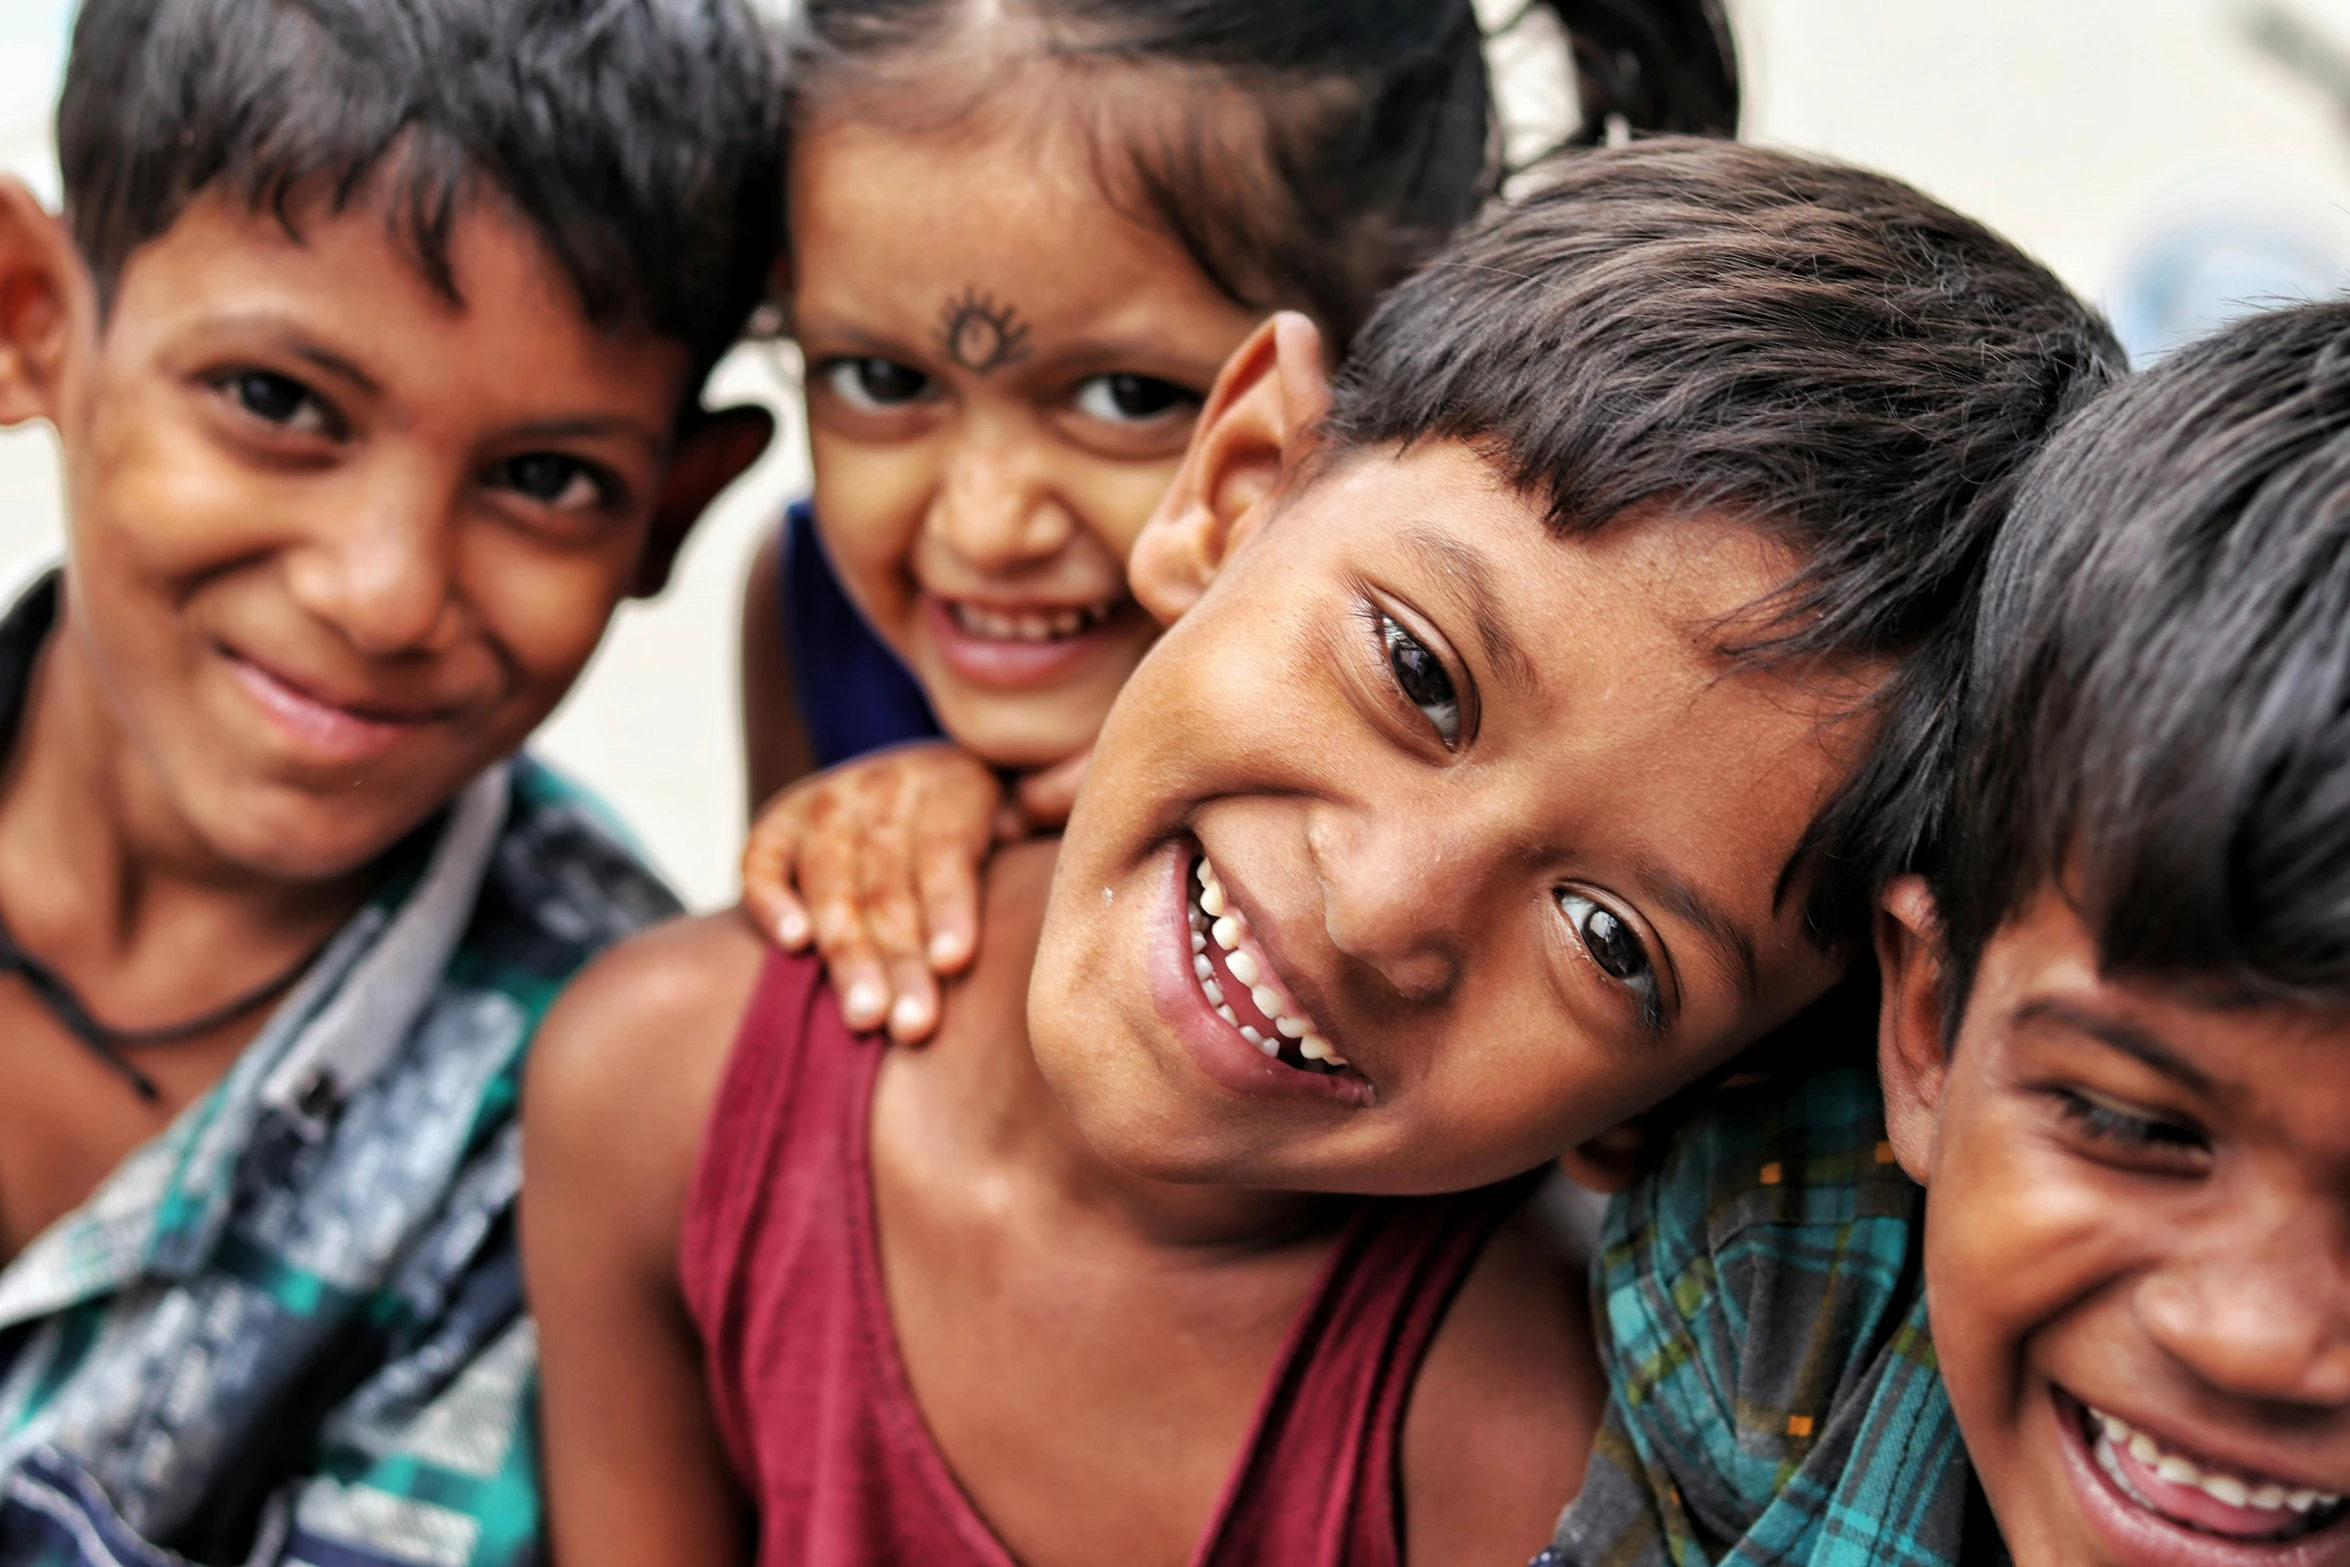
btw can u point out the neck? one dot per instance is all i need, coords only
(98, 865)
(989, 1100)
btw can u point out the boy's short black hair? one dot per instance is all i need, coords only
(641, 138)
(2158, 721)
(1700, 325)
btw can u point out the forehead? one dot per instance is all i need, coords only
(2286, 1068)
(342, 286)
(886, 223)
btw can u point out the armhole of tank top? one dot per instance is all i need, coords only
(767, 1055)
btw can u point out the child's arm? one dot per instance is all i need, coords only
(621, 1082)
(776, 752)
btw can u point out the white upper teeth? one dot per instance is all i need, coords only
(2178, 1469)
(1227, 935)
(1030, 625)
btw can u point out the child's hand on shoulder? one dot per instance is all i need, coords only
(876, 862)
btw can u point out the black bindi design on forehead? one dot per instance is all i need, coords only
(981, 335)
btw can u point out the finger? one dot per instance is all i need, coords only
(768, 895)
(947, 881)
(851, 956)
(913, 1016)
(1046, 798)
(892, 910)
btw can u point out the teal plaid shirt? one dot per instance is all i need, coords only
(290, 1330)
(1774, 1391)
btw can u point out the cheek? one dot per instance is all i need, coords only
(2022, 1240)
(543, 610)
(1114, 501)
(870, 502)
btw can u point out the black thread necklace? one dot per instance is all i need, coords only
(109, 1044)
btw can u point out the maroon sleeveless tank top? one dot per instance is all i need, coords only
(782, 1272)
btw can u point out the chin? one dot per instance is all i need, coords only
(295, 836)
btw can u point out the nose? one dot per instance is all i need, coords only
(380, 570)
(2263, 1315)
(995, 509)
(1395, 897)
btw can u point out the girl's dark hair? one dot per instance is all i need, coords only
(1351, 138)
(2158, 719)
(1697, 325)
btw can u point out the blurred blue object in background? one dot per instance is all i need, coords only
(2203, 269)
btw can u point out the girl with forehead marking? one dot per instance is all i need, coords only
(1023, 239)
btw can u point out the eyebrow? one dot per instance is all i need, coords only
(1467, 571)
(2126, 1037)
(1679, 896)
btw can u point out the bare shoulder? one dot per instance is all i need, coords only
(1502, 1417)
(627, 1065)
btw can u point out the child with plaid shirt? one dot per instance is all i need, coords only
(2076, 1287)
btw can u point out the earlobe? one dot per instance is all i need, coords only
(1612, 1161)
(1913, 1058)
(39, 278)
(714, 451)
(1260, 424)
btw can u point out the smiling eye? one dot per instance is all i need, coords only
(1420, 676)
(872, 384)
(1132, 399)
(550, 479)
(277, 399)
(2133, 1133)
(1613, 945)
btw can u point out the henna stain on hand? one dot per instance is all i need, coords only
(981, 335)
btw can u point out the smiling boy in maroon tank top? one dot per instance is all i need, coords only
(1456, 821)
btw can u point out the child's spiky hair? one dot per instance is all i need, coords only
(2159, 716)
(640, 138)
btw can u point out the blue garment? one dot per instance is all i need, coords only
(1775, 1400)
(855, 696)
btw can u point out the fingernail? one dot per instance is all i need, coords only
(908, 1015)
(945, 949)
(865, 1000)
(792, 929)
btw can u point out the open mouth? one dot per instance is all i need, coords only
(1035, 626)
(1241, 986)
(2194, 1493)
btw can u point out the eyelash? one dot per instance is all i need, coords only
(2135, 1134)
(1392, 639)
(1645, 987)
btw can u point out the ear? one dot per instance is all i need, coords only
(713, 451)
(1260, 425)
(1913, 1059)
(42, 285)
(1610, 1162)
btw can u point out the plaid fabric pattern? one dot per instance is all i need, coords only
(290, 1329)
(1775, 1397)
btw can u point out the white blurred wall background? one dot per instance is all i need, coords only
(2172, 158)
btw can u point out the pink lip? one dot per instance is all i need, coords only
(1012, 666)
(325, 732)
(1218, 1049)
(2130, 1533)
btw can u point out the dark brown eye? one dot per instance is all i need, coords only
(874, 383)
(1615, 946)
(279, 400)
(1132, 399)
(1420, 676)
